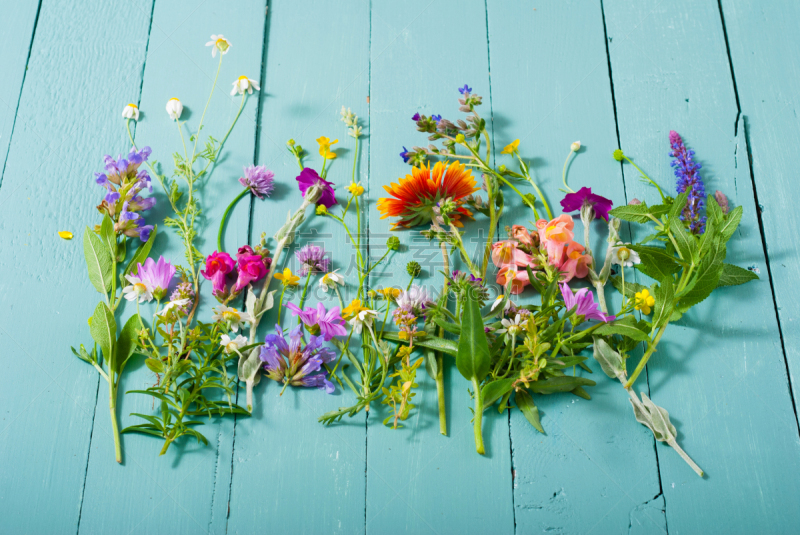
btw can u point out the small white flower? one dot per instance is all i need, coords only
(174, 108)
(365, 317)
(219, 43)
(131, 111)
(232, 316)
(576, 146)
(242, 84)
(176, 306)
(513, 328)
(330, 280)
(137, 290)
(500, 300)
(354, 131)
(623, 256)
(232, 346)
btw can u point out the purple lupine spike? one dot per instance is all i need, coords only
(687, 172)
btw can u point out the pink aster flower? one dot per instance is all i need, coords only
(319, 321)
(156, 275)
(218, 266)
(259, 179)
(585, 198)
(583, 304)
(310, 179)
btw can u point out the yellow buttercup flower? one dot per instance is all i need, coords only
(325, 147)
(288, 278)
(353, 309)
(644, 301)
(356, 189)
(511, 148)
(389, 293)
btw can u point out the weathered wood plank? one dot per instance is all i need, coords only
(720, 372)
(67, 119)
(287, 467)
(417, 480)
(550, 86)
(764, 49)
(187, 489)
(19, 24)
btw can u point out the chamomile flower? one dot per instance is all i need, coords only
(513, 328)
(174, 109)
(330, 280)
(137, 290)
(219, 43)
(232, 316)
(131, 111)
(623, 256)
(499, 300)
(174, 309)
(232, 345)
(242, 84)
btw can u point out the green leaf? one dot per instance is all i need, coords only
(610, 361)
(141, 252)
(678, 205)
(656, 263)
(631, 288)
(565, 383)
(431, 360)
(108, 235)
(713, 210)
(627, 326)
(581, 393)
(529, 409)
(98, 260)
(103, 329)
(430, 342)
(707, 240)
(453, 328)
(734, 276)
(472, 357)
(686, 243)
(706, 278)
(126, 343)
(732, 220)
(635, 213)
(495, 390)
(664, 295)
(155, 365)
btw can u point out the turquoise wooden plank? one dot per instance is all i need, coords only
(720, 372)
(68, 120)
(19, 24)
(187, 489)
(763, 51)
(418, 480)
(595, 470)
(287, 467)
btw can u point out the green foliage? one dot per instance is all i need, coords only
(98, 260)
(472, 357)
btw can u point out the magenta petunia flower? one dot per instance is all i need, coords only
(259, 179)
(309, 178)
(156, 275)
(218, 266)
(585, 197)
(319, 321)
(583, 303)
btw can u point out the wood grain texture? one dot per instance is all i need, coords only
(764, 49)
(550, 87)
(287, 467)
(19, 20)
(68, 120)
(186, 490)
(720, 372)
(417, 480)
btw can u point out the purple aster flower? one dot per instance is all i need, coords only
(583, 304)
(309, 178)
(291, 364)
(415, 117)
(157, 276)
(259, 179)
(465, 90)
(414, 300)
(329, 323)
(405, 155)
(688, 173)
(585, 198)
(312, 258)
(436, 118)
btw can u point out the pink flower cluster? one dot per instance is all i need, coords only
(554, 237)
(248, 267)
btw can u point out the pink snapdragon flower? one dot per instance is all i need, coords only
(218, 266)
(555, 234)
(251, 268)
(506, 253)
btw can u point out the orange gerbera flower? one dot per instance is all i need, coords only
(418, 193)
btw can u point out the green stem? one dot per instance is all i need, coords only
(440, 395)
(564, 172)
(225, 138)
(202, 117)
(650, 350)
(112, 406)
(645, 176)
(305, 288)
(225, 217)
(478, 417)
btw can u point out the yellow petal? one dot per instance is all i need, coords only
(65, 234)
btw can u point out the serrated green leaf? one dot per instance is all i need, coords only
(678, 205)
(656, 262)
(734, 275)
(635, 213)
(98, 261)
(631, 288)
(706, 278)
(713, 210)
(529, 409)
(685, 241)
(627, 326)
(731, 223)
(103, 329)
(664, 295)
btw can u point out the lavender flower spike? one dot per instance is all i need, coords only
(688, 173)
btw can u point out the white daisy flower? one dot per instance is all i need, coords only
(623, 256)
(232, 345)
(137, 290)
(513, 328)
(178, 306)
(330, 280)
(219, 43)
(500, 300)
(365, 317)
(242, 84)
(232, 316)
(131, 111)
(174, 109)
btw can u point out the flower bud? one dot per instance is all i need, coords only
(502, 169)
(131, 111)
(322, 209)
(290, 142)
(635, 201)
(393, 243)
(413, 268)
(174, 109)
(576, 146)
(460, 138)
(618, 155)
